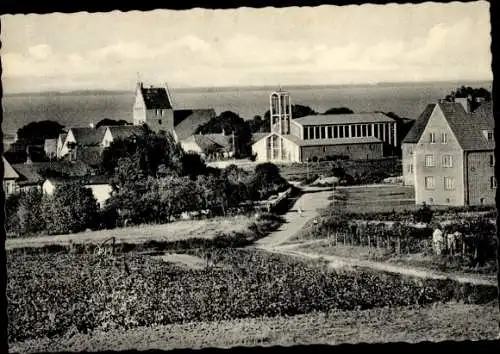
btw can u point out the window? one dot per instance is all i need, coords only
(369, 130)
(431, 200)
(447, 161)
(430, 161)
(335, 131)
(329, 132)
(410, 151)
(341, 132)
(410, 168)
(159, 121)
(324, 148)
(444, 138)
(493, 182)
(488, 134)
(447, 200)
(358, 130)
(306, 133)
(429, 182)
(449, 183)
(323, 135)
(432, 138)
(492, 160)
(316, 132)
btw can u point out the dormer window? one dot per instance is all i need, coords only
(488, 134)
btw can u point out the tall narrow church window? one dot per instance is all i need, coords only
(341, 132)
(306, 133)
(323, 133)
(369, 130)
(316, 133)
(335, 131)
(329, 131)
(363, 130)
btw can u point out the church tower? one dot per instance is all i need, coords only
(280, 112)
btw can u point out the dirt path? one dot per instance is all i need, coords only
(314, 198)
(311, 201)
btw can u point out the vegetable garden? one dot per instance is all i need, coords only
(52, 294)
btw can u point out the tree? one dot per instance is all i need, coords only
(423, 214)
(339, 110)
(298, 111)
(267, 180)
(230, 123)
(11, 216)
(72, 208)
(29, 212)
(151, 151)
(35, 133)
(193, 165)
(110, 122)
(474, 95)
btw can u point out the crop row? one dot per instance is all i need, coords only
(51, 294)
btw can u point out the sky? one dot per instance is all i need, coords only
(244, 46)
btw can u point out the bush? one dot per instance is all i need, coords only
(423, 214)
(72, 208)
(12, 203)
(30, 212)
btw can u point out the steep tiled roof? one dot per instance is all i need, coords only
(204, 142)
(8, 171)
(125, 131)
(355, 118)
(220, 139)
(468, 128)
(28, 174)
(418, 127)
(33, 173)
(186, 121)
(88, 136)
(156, 98)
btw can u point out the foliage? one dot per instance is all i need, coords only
(151, 151)
(35, 133)
(86, 292)
(424, 214)
(267, 180)
(193, 165)
(12, 203)
(473, 94)
(339, 110)
(72, 208)
(230, 122)
(110, 122)
(30, 212)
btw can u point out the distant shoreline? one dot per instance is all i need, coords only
(247, 88)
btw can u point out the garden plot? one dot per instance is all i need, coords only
(183, 260)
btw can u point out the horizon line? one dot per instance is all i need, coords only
(236, 86)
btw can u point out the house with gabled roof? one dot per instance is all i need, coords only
(121, 132)
(208, 145)
(153, 106)
(81, 138)
(9, 177)
(452, 153)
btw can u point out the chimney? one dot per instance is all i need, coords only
(464, 101)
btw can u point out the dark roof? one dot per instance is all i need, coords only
(28, 174)
(90, 155)
(468, 128)
(156, 98)
(354, 118)
(126, 131)
(205, 143)
(186, 121)
(418, 127)
(220, 139)
(88, 136)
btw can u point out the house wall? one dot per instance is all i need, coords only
(408, 164)
(9, 186)
(70, 138)
(479, 172)
(107, 139)
(260, 148)
(367, 151)
(60, 144)
(439, 195)
(48, 187)
(190, 145)
(139, 109)
(290, 151)
(296, 129)
(160, 119)
(101, 192)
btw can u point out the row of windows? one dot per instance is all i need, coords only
(160, 112)
(449, 183)
(347, 131)
(430, 161)
(443, 140)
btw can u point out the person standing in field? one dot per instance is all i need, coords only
(437, 241)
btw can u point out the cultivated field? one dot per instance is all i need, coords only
(178, 230)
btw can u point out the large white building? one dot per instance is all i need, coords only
(355, 136)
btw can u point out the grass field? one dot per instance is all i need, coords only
(178, 230)
(438, 322)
